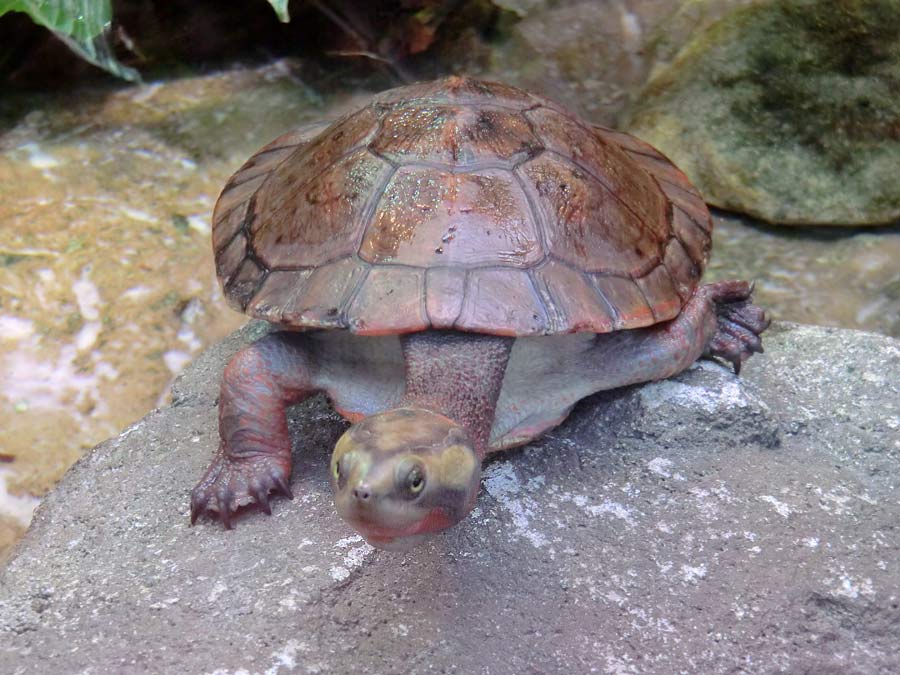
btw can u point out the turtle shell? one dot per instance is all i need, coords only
(460, 204)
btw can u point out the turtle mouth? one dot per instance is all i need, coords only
(387, 538)
(400, 537)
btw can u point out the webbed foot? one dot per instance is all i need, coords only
(740, 322)
(232, 482)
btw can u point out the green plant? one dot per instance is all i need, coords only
(82, 25)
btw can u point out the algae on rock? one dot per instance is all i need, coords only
(788, 110)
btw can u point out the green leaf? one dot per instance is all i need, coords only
(281, 9)
(81, 20)
(80, 24)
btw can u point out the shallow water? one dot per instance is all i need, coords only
(830, 276)
(107, 287)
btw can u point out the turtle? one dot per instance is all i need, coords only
(454, 265)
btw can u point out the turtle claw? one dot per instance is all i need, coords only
(282, 486)
(223, 497)
(261, 495)
(232, 482)
(740, 323)
(198, 505)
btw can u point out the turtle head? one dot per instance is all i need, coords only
(403, 475)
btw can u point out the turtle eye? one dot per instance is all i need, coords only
(416, 481)
(412, 480)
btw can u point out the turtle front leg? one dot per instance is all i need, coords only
(254, 455)
(719, 321)
(739, 323)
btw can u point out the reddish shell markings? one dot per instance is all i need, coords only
(460, 204)
(429, 217)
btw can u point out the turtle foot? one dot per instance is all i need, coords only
(231, 483)
(740, 322)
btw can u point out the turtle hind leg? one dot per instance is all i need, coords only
(254, 456)
(739, 322)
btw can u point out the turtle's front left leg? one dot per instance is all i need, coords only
(720, 320)
(254, 458)
(739, 323)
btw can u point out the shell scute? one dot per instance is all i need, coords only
(694, 238)
(685, 273)
(606, 162)
(268, 157)
(689, 202)
(454, 135)
(674, 184)
(243, 284)
(312, 222)
(429, 217)
(662, 170)
(235, 197)
(445, 288)
(320, 300)
(587, 225)
(229, 224)
(389, 300)
(455, 89)
(572, 302)
(295, 138)
(660, 293)
(276, 293)
(230, 259)
(344, 136)
(624, 295)
(502, 302)
(625, 141)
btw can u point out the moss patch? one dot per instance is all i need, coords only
(788, 110)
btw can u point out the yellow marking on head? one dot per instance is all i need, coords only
(345, 444)
(358, 458)
(456, 465)
(404, 427)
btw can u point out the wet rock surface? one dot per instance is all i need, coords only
(826, 276)
(707, 523)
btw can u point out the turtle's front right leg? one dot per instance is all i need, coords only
(254, 458)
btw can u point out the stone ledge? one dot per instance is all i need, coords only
(707, 523)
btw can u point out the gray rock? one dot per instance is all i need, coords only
(702, 524)
(784, 109)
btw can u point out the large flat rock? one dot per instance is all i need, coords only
(703, 524)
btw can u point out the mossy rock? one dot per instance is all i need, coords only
(788, 110)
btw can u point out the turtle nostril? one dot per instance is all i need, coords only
(362, 493)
